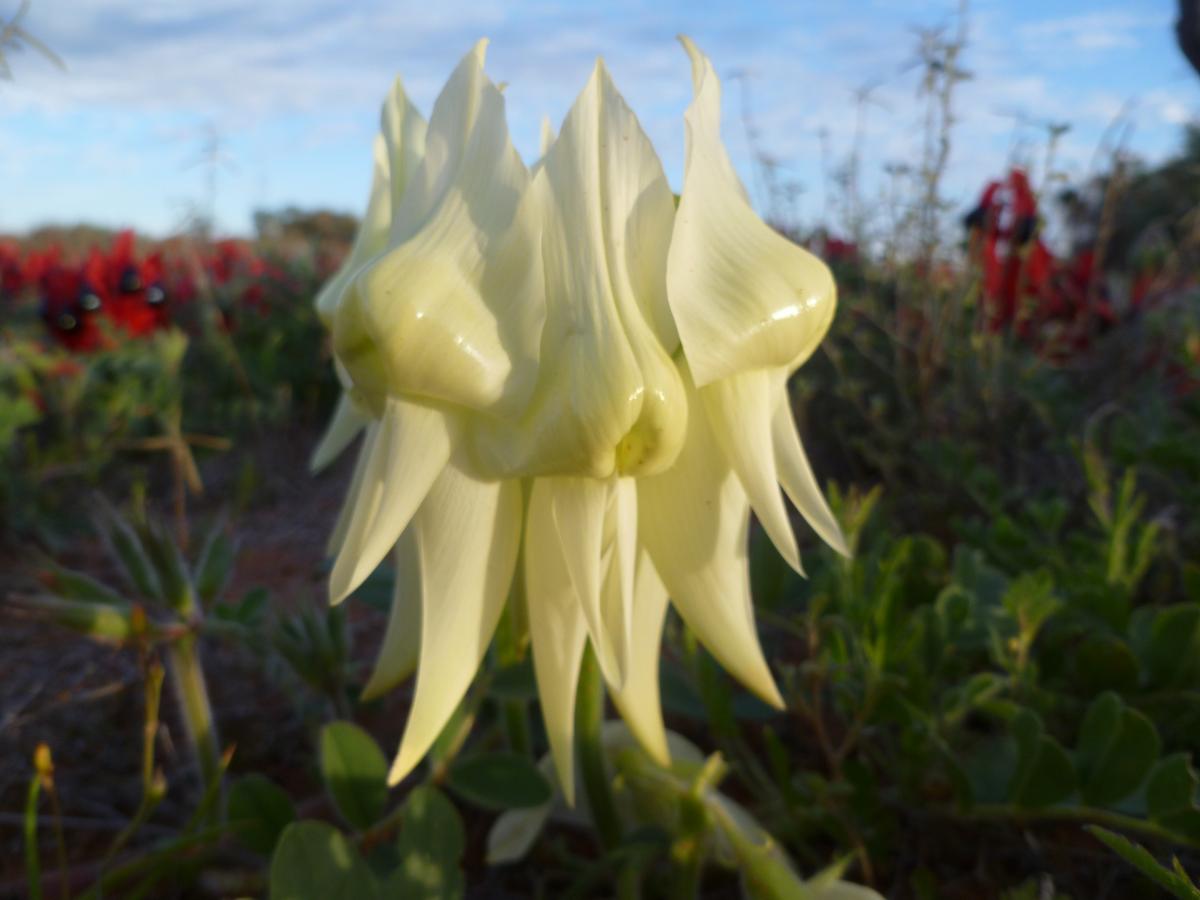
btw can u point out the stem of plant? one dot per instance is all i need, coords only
(33, 868)
(509, 653)
(191, 690)
(589, 726)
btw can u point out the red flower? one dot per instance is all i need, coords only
(72, 306)
(12, 272)
(110, 292)
(138, 298)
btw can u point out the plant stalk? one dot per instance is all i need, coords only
(589, 726)
(191, 691)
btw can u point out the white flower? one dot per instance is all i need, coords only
(576, 395)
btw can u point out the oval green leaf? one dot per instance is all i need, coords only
(315, 861)
(355, 773)
(258, 811)
(499, 781)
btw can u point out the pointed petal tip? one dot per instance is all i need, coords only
(399, 771)
(567, 786)
(837, 541)
(697, 57)
(771, 697)
(337, 595)
(346, 577)
(785, 543)
(371, 691)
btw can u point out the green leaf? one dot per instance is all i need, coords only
(72, 585)
(499, 781)
(214, 565)
(177, 589)
(1105, 663)
(315, 861)
(1171, 795)
(97, 621)
(1172, 786)
(355, 773)
(1117, 747)
(431, 844)
(1176, 884)
(1172, 651)
(126, 548)
(1044, 775)
(258, 810)
(1032, 601)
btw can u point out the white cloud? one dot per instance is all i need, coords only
(1091, 32)
(303, 78)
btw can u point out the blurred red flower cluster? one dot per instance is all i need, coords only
(1025, 286)
(117, 293)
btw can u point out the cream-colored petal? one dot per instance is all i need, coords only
(451, 311)
(397, 149)
(557, 628)
(412, 448)
(403, 130)
(638, 699)
(796, 476)
(621, 537)
(739, 409)
(608, 399)
(579, 506)
(401, 648)
(467, 535)
(369, 240)
(347, 421)
(743, 296)
(694, 521)
(546, 137)
(337, 536)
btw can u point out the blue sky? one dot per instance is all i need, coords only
(293, 89)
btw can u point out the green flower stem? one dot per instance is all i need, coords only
(516, 727)
(589, 724)
(687, 865)
(187, 676)
(509, 651)
(1084, 814)
(33, 868)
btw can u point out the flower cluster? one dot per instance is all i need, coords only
(573, 390)
(113, 291)
(108, 295)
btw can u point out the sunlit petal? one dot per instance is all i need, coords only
(467, 534)
(796, 476)
(579, 506)
(337, 536)
(608, 398)
(412, 448)
(401, 646)
(557, 628)
(443, 313)
(739, 410)
(397, 149)
(638, 699)
(694, 520)
(348, 420)
(743, 296)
